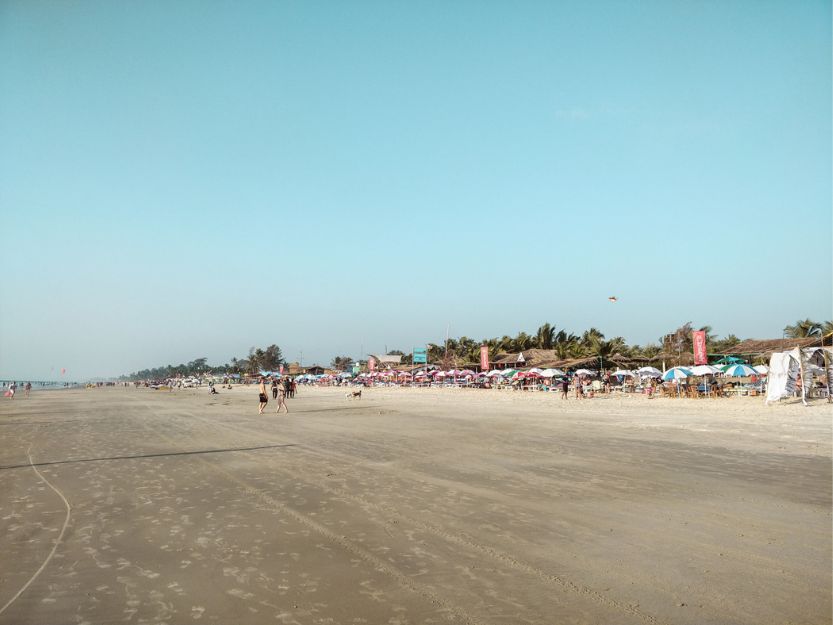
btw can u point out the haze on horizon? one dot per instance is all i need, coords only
(180, 182)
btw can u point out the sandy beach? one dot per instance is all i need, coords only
(412, 506)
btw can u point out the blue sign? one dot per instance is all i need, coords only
(420, 355)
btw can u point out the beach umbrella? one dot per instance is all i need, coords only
(535, 370)
(623, 372)
(704, 370)
(738, 371)
(551, 373)
(652, 372)
(762, 369)
(585, 372)
(509, 372)
(465, 372)
(730, 360)
(676, 373)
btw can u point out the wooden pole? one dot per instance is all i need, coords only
(801, 373)
(828, 372)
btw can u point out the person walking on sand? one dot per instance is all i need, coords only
(282, 392)
(579, 387)
(292, 387)
(264, 399)
(27, 387)
(565, 386)
(274, 388)
(287, 387)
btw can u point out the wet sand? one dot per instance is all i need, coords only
(411, 506)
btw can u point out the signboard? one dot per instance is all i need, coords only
(700, 356)
(371, 364)
(484, 357)
(420, 355)
(356, 369)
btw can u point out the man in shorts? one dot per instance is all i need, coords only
(263, 397)
(565, 386)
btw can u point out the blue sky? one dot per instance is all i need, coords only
(190, 179)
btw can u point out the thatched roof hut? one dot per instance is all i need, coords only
(527, 358)
(765, 347)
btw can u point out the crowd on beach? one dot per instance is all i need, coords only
(10, 389)
(582, 383)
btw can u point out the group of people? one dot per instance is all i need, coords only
(12, 389)
(281, 390)
(583, 386)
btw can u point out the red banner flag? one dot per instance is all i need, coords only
(280, 369)
(484, 357)
(700, 356)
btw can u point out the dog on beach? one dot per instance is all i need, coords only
(354, 394)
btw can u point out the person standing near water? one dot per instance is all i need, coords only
(27, 387)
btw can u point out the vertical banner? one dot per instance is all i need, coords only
(371, 364)
(484, 357)
(700, 357)
(280, 369)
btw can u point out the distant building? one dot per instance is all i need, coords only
(315, 370)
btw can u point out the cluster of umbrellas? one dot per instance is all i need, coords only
(736, 370)
(675, 373)
(732, 371)
(466, 374)
(309, 377)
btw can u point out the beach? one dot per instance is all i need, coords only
(412, 506)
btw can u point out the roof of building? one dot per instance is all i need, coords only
(768, 346)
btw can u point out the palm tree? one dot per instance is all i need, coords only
(803, 329)
(522, 341)
(545, 337)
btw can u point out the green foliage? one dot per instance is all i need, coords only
(342, 363)
(803, 329)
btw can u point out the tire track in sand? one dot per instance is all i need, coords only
(57, 542)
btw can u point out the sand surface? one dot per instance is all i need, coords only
(412, 506)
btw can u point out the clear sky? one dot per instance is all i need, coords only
(190, 179)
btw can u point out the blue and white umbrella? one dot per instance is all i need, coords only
(739, 371)
(676, 373)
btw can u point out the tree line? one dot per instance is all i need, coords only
(258, 359)
(590, 343)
